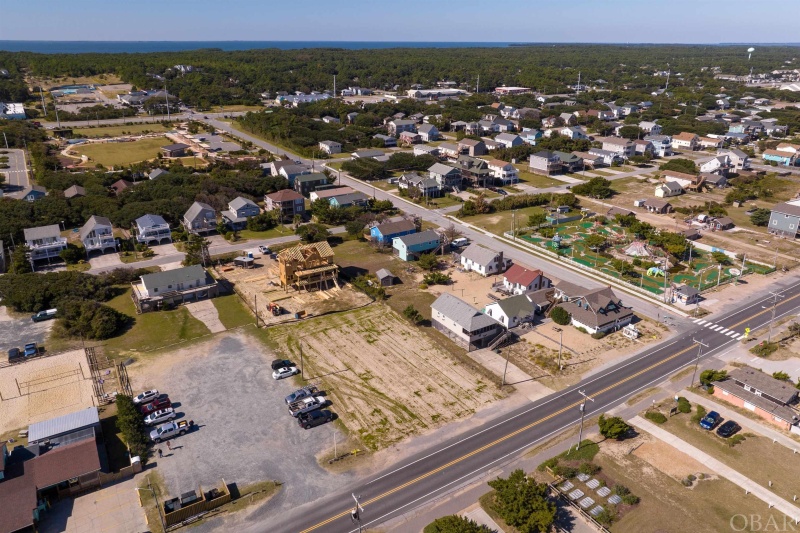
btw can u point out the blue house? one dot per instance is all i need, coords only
(530, 136)
(782, 158)
(409, 247)
(384, 233)
(346, 200)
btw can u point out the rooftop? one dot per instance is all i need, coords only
(419, 238)
(41, 431)
(479, 254)
(461, 312)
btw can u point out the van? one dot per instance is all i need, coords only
(458, 243)
(44, 315)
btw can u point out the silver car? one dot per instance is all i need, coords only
(145, 397)
(160, 416)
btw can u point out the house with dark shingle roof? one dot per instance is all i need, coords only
(173, 287)
(384, 233)
(771, 399)
(446, 176)
(287, 201)
(239, 210)
(410, 247)
(76, 191)
(513, 311)
(484, 261)
(462, 323)
(598, 310)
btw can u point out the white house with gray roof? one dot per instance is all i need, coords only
(513, 311)
(152, 229)
(98, 234)
(482, 260)
(200, 218)
(462, 323)
(44, 242)
(173, 287)
(447, 177)
(784, 219)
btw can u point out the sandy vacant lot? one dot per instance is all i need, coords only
(384, 383)
(50, 387)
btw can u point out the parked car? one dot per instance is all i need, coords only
(728, 429)
(264, 249)
(285, 372)
(145, 397)
(710, 420)
(314, 419)
(299, 394)
(306, 405)
(160, 416)
(458, 243)
(169, 430)
(31, 349)
(44, 315)
(502, 192)
(161, 401)
(280, 363)
(15, 355)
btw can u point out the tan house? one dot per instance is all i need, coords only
(685, 140)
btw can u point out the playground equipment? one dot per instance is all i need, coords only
(637, 249)
(557, 241)
(655, 272)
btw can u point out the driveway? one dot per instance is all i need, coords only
(207, 313)
(113, 509)
(17, 331)
(106, 261)
(244, 433)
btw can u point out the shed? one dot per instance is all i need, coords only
(63, 425)
(244, 261)
(385, 278)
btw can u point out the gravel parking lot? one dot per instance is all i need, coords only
(17, 331)
(245, 433)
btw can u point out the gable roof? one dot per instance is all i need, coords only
(439, 168)
(92, 223)
(120, 185)
(75, 190)
(173, 147)
(419, 238)
(592, 302)
(479, 254)
(426, 128)
(176, 276)
(383, 273)
(521, 275)
(507, 137)
(42, 232)
(63, 424)
(678, 175)
(284, 195)
(449, 146)
(671, 186)
(468, 142)
(66, 462)
(780, 390)
(684, 136)
(240, 202)
(519, 306)
(658, 203)
(334, 191)
(149, 221)
(18, 495)
(461, 312)
(366, 154)
(156, 173)
(349, 198)
(392, 228)
(196, 209)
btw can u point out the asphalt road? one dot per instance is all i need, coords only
(17, 171)
(455, 463)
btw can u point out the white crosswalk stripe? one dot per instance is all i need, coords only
(716, 328)
(708, 325)
(731, 334)
(724, 330)
(698, 321)
(740, 337)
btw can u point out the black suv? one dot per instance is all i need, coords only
(314, 419)
(280, 363)
(15, 355)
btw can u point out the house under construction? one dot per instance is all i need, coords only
(307, 267)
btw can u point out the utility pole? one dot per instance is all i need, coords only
(355, 514)
(700, 345)
(583, 414)
(55, 107)
(775, 297)
(560, 345)
(6, 139)
(302, 372)
(334, 85)
(166, 99)
(508, 354)
(44, 106)
(719, 274)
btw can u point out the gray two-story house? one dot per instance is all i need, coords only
(239, 210)
(44, 242)
(152, 229)
(462, 323)
(98, 235)
(784, 219)
(308, 183)
(200, 218)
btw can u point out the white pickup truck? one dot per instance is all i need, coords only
(169, 430)
(306, 405)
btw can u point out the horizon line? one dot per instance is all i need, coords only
(384, 41)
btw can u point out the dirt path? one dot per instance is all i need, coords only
(205, 312)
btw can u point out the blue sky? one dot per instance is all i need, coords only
(684, 21)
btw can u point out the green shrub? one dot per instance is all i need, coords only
(455, 524)
(630, 499)
(709, 376)
(588, 468)
(130, 424)
(606, 516)
(621, 490)
(655, 416)
(550, 463)
(523, 503)
(764, 349)
(581, 329)
(598, 335)
(736, 439)
(684, 406)
(560, 316)
(436, 278)
(411, 313)
(564, 471)
(699, 414)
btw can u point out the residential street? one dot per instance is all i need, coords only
(16, 173)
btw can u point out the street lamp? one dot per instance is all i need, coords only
(583, 413)
(158, 507)
(560, 344)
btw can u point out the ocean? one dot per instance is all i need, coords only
(141, 47)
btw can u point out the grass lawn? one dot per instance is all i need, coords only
(500, 222)
(191, 161)
(150, 331)
(131, 258)
(116, 154)
(116, 131)
(537, 180)
(79, 267)
(601, 173)
(232, 312)
(747, 458)
(236, 108)
(277, 231)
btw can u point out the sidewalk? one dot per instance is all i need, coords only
(746, 423)
(723, 470)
